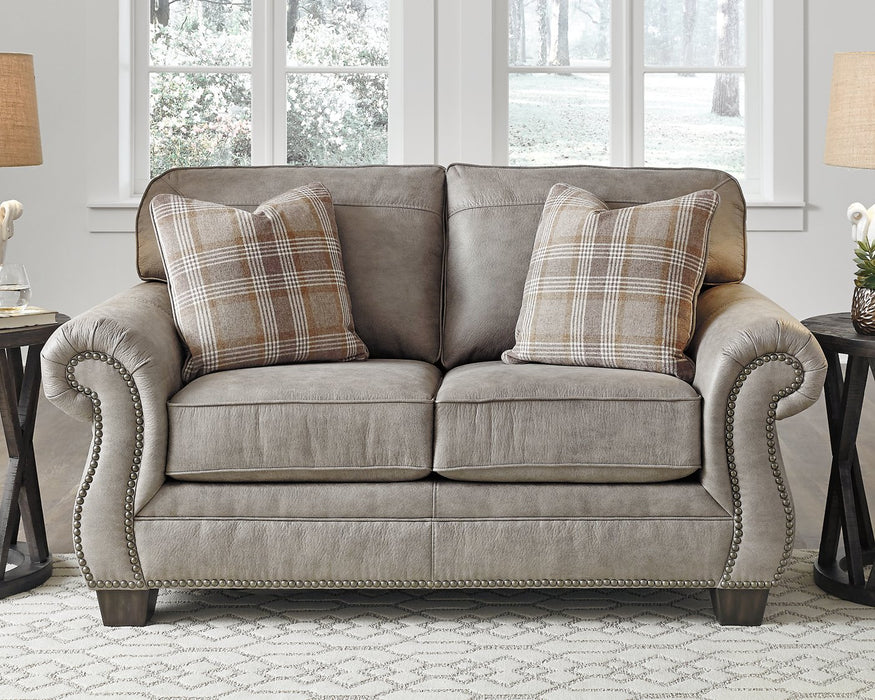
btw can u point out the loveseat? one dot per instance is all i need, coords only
(433, 464)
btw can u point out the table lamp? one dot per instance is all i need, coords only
(850, 142)
(19, 129)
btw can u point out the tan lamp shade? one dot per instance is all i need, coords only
(19, 122)
(850, 127)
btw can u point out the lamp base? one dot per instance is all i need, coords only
(863, 310)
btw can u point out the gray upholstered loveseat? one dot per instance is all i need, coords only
(432, 464)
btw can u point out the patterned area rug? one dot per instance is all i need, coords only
(439, 644)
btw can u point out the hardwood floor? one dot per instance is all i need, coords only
(61, 445)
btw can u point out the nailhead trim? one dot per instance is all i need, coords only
(472, 583)
(790, 521)
(130, 493)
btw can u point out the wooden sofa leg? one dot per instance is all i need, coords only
(739, 607)
(127, 608)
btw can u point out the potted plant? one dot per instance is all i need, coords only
(863, 303)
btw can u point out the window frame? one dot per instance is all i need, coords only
(628, 71)
(142, 70)
(269, 71)
(775, 154)
(445, 93)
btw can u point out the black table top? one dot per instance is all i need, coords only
(836, 333)
(30, 335)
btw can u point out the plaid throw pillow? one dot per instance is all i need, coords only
(614, 288)
(259, 288)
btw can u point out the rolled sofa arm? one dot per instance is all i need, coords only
(755, 364)
(116, 365)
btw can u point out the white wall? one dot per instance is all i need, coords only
(807, 272)
(70, 268)
(811, 272)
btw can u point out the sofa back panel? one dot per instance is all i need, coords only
(391, 225)
(493, 217)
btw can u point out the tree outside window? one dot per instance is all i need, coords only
(687, 91)
(335, 95)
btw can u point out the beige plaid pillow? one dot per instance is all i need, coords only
(259, 288)
(614, 288)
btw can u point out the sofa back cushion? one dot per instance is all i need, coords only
(493, 217)
(391, 225)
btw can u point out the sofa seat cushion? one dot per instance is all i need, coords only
(361, 421)
(533, 423)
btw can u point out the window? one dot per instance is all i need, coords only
(198, 83)
(559, 82)
(240, 82)
(622, 82)
(635, 82)
(337, 102)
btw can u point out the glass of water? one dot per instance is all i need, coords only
(14, 287)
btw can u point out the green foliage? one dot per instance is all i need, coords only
(338, 118)
(199, 119)
(206, 118)
(864, 256)
(337, 33)
(204, 32)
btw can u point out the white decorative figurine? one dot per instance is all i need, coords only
(861, 219)
(10, 210)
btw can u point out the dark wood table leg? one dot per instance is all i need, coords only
(833, 390)
(846, 509)
(19, 393)
(867, 535)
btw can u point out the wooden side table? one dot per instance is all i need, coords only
(21, 504)
(847, 512)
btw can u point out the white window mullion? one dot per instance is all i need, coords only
(621, 89)
(127, 125)
(476, 77)
(500, 84)
(754, 114)
(710, 68)
(262, 83)
(140, 97)
(336, 69)
(785, 35)
(279, 83)
(201, 69)
(412, 81)
(635, 77)
(464, 90)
